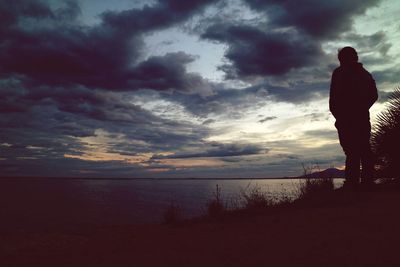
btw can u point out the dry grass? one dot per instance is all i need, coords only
(310, 187)
(255, 198)
(215, 207)
(172, 215)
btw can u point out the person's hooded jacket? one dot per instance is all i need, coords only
(352, 93)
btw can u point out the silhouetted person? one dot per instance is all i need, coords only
(353, 92)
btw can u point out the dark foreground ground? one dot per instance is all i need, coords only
(344, 229)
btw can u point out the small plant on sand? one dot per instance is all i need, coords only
(172, 215)
(255, 198)
(215, 208)
(311, 186)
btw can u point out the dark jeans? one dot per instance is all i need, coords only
(354, 138)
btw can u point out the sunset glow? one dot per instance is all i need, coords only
(235, 88)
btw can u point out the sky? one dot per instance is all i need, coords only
(181, 89)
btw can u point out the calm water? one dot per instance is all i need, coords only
(51, 202)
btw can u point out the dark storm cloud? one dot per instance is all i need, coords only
(231, 103)
(53, 49)
(289, 40)
(46, 134)
(47, 125)
(375, 42)
(11, 10)
(208, 121)
(160, 15)
(61, 81)
(301, 92)
(55, 119)
(373, 49)
(166, 72)
(219, 150)
(255, 52)
(319, 116)
(235, 103)
(389, 75)
(167, 137)
(35, 144)
(288, 156)
(71, 167)
(10, 94)
(374, 53)
(321, 19)
(90, 103)
(74, 100)
(268, 118)
(44, 126)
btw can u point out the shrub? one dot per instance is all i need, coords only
(310, 186)
(254, 198)
(172, 215)
(315, 186)
(386, 138)
(215, 207)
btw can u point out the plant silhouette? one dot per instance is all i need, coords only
(386, 138)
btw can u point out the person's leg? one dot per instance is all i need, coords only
(367, 173)
(352, 171)
(367, 157)
(349, 141)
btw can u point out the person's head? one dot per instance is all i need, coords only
(347, 56)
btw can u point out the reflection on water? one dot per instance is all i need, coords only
(54, 202)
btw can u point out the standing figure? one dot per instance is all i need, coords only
(352, 93)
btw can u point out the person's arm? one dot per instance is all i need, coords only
(333, 105)
(373, 92)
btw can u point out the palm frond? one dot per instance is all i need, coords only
(386, 138)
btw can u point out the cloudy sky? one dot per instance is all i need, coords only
(171, 88)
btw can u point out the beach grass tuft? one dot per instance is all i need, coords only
(255, 198)
(215, 207)
(172, 215)
(311, 186)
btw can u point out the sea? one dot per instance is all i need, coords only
(55, 202)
